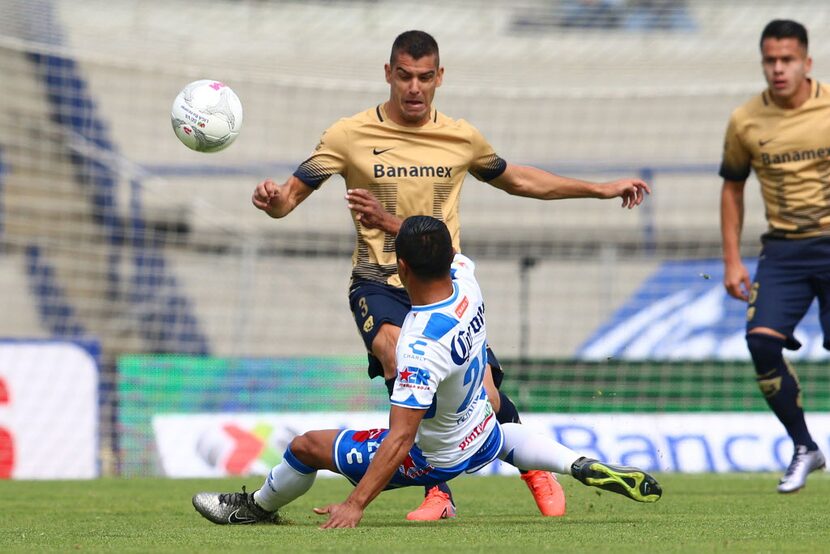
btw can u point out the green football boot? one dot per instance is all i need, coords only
(632, 482)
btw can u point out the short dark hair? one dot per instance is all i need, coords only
(415, 43)
(424, 243)
(785, 28)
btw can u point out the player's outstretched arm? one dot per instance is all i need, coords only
(370, 212)
(279, 200)
(403, 425)
(532, 182)
(735, 275)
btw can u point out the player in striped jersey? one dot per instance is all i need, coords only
(441, 422)
(404, 158)
(783, 135)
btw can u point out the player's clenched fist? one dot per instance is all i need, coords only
(278, 200)
(264, 193)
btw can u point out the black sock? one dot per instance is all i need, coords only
(443, 487)
(507, 410)
(779, 384)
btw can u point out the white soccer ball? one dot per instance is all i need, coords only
(207, 116)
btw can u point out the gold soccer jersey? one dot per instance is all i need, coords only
(790, 153)
(411, 171)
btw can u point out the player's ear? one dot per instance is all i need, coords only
(808, 64)
(403, 271)
(387, 69)
(439, 78)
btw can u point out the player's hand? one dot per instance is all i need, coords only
(370, 213)
(267, 195)
(736, 280)
(632, 191)
(345, 515)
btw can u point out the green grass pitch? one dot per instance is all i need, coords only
(698, 513)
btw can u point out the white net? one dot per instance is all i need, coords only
(112, 229)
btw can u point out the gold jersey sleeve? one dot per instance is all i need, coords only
(410, 170)
(789, 151)
(329, 156)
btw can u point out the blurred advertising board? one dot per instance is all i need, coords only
(223, 444)
(149, 385)
(48, 410)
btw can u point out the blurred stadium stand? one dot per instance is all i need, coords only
(112, 229)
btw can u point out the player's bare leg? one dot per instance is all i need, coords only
(383, 348)
(543, 485)
(438, 502)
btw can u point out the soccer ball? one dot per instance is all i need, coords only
(207, 116)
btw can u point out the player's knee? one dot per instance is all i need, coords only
(766, 351)
(383, 348)
(305, 449)
(768, 359)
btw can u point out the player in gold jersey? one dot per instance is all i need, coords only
(784, 136)
(404, 158)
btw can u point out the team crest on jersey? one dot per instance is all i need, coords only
(414, 377)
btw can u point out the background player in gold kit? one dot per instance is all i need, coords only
(412, 160)
(784, 136)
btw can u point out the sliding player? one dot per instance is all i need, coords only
(441, 423)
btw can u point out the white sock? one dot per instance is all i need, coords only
(527, 449)
(283, 484)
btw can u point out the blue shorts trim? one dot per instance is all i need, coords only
(353, 450)
(790, 275)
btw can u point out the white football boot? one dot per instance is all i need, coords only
(802, 464)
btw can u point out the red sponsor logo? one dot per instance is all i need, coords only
(477, 430)
(462, 307)
(370, 434)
